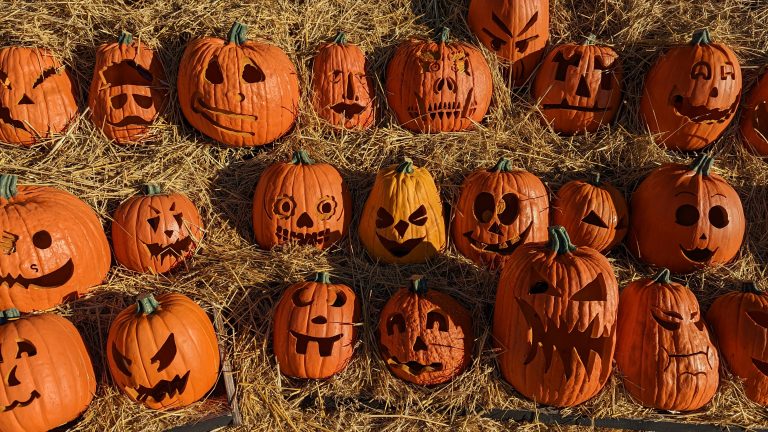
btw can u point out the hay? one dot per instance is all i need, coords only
(231, 274)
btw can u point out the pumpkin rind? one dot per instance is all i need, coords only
(754, 118)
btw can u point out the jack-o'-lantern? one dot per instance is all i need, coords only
(314, 331)
(128, 90)
(579, 86)
(740, 323)
(163, 352)
(37, 95)
(155, 232)
(691, 93)
(52, 246)
(342, 89)
(238, 92)
(664, 353)
(402, 221)
(48, 378)
(498, 210)
(425, 336)
(438, 86)
(754, 118)
(594, 213)
(516, 30)
(685, 218)
(555, 320)
(301, 202)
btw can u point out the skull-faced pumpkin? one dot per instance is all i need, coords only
(155, 232)
(425, 336)
(236, 91)
(664, 353)
(438, 86)
(754, 118)
(498, 210)
(301, 202)
(402, 221)
(685, 218)
(691, 93)
(740, 323)
(163, 352)
(314, 330)
(555, 320)
(37, 95)
(342, 89)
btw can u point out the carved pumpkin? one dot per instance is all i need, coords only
(685, 218)
(664, 353)
(594, 213)
(498, 210)
(579, 86)
(754, 118)
(555, 320)
(691, 93)
(48, 375)
(155, 232)
(163, 352)
(740, 322)
(52, 246)
(128, 90)
(402, 221)
(238, 92)
(314, 330)
(342, 89)
(425, 336)
(516, 30)
(37, 95)
(301, 202)
(438, 86)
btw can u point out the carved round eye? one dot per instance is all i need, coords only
(42, 239)
(213, 72)
(485, 207)
(253, 74)
(302, 297)
(686, 215)
(339, 300)
(284, 207)
(511, 209)
(434, 67)
(326, 207)
(718, 216)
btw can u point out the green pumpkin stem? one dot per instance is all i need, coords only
(405, 167)
(702, 164)
(559, 241)
(596, 180)
(418, 285)
(341, 38)
(150, 189)
(8, 185)
(237, 34)
(751, 288)
(301, 157)
(445, 34)
(701, 37)
(663, 277)
(322, 277)
(503, 165)
(9, 315)
(125, 38)
(146, 304)
(591, 39)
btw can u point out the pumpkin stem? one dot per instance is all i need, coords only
(701, 37)
(405, 167)
(301, 157)
(146, 304)
(445, 34)
(559, 241)
(341, 38)
(237, 34)
(503, 165)
(125, 38)
(8, 185)
(596, 180)
(702, 164)
(323, 277)
(418, 285)
(591, 39)
(663, 277)
(150, 189)
(751, 288)
(9, 315)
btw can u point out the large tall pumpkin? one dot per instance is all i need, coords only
(754, 118)
(52, 246)
(238, 92)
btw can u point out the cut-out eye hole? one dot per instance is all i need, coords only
(419, 216)
(25, 347)
(154, 222)
(530, 23)
(539, 287)
(121, 361)
(727, 70)
(165, 354)
(336, 76)
(326, 207)
(668, 320)
(42, 239)
(396, 320)
(718, 216)
(4, 80)
(511, 209)
(563, 63)
(253, 74)
(302, 297)
(485, 207)
(340, 300)
(118, 101)
(759, 317)
(686, 215)
(179, 217)
(383, 219)
(435, 317)
(213, 72)
(593, 291)
(284, 207)
(593, 219)
(701, 70)
(699, 323)
(45, 75)
(143, 101)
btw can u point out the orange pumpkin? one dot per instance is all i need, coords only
(555, 320)
(128, 90)
(754, 118)
(238, 92)
(163, 352)
(155, 232)
(498, 210)
(425, 336)
(314, 331)
(438, 86)
(37, 95)
(342, 90)
(685, 218)
(691, 93)
(301, 202)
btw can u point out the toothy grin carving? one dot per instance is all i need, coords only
(415, 368)
(175, 249)
(308, 239)
(700, 113)
(162, 389)
(348, 110)
(53, 279)
(443, 110)
(324, 344)
(16, 404)
(209, 113)
(565, 105)
(399, 249)
(698, 255)
(504, 248)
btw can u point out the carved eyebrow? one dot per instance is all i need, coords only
(495, 18)
(685, 192)
(719, 194)
(530, 23)
(45, 75)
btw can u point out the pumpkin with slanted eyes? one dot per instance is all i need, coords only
(754, 118)
(37, 95)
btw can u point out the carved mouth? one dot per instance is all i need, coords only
(700, 113)
(761, 366)
(162, 389)
(209, 113)
(413, 367)
(349, 110)
(670, 357)
(131, 121)
(324, 238)
(698, 255)
(176, 249)
(16, 404)
(399, 249)
(565, 105)
(53, 279)
(5, 117)
(324, 344)
(444, 110)
(504, 248)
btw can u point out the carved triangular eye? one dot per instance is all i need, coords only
(165, 354)
(593, 219)
(593, 291)
(759, 317)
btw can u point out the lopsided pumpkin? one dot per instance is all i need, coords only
(754, 118)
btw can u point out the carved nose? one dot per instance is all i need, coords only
(319, 320)
(703, 237)
(714, 92)
(305, 221)
(169, 233)
(25, 100)
(419, 345)
(583, 89)
(400, 227)
(495, 228)
(12, 380)
(448, 83)
(351, 94)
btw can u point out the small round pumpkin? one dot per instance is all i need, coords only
(301, 202)
(342, 90)
(740, 323)
(498, 210)
(594, 213)
(155, 232)
(402, 220)
(238, 92)
(664, 353)
(163, 352)
(438, 86)
(685, 218)
(691, 93)
(555, 320)
(754, 118)
(314, 331)
(425, 336)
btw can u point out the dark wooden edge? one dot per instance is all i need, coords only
(205, 425)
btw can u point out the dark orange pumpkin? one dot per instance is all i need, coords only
(754, 118)
(438, 86)
(314, 331)
(555, 320)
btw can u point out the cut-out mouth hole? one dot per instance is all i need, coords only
(444, 110)
(761, 366)
(163, 389)
(16, 404)
(324, 344)
(694, 372)
(399, 249)
(5, 117)
(174, 250)
(321, 238)
(348, 110)
(131, 121)
(53, 279)
(503, 248)
(593, 219)
(565, 105)
(209, 113)
(698, 255)
(700, 113)
(415, 368)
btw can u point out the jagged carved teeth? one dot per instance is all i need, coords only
(302, 238)
(413, 367)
